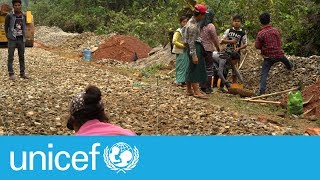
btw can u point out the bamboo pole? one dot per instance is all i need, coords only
(272, 94)
(306, 102)
(263, 101)
(243, 61)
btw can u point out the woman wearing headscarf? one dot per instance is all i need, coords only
(210, 42)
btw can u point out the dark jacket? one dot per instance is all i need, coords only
(9, 26)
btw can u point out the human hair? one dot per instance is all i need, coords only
(237, 17)
(93, 108)
(234, 56)
(16, 1)
(264, 18)
(182, 18)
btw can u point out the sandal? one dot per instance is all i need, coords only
(202, 96)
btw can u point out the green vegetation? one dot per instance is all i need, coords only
(298, 20)
(152, 70)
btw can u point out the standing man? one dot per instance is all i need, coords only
(15, 29)
(196, 72)
(269, 42)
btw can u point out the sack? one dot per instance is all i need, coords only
(295, 103)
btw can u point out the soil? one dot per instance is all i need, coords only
(314, 103)
(122, 48)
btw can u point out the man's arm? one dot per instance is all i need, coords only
(244, 43)
(222, 63)
(7, 24)
(258, 43)
(225, 39)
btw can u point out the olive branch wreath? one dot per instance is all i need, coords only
(132, 165)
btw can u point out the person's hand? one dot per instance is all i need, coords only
(237, 49)
(195, 60)
(228, 85)
(234, 41)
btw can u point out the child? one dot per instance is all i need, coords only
(235, 38)
(182, 59)
(87, 116)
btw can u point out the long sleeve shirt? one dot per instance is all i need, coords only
(223, 64)
(209, 37)
(177, 42)
(191, 34)
(269, 42)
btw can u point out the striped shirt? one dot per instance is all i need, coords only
(269, 42)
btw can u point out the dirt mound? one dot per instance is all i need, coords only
(52, 36)
(314, 104)
(279, 78)
(122, 48)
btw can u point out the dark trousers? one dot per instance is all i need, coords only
(12, 45)
(209, 68)
(266, 65)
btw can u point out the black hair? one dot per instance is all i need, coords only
(237, 17)
(182, 18)
(234, 56)
(16, 1)
(264, 18)
(93, 108)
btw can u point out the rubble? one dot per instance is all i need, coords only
(40, 105)
(279, 79)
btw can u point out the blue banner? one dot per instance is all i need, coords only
(157, 157)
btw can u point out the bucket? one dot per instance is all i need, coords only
(236, 86)
(87, 54)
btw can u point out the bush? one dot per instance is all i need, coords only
(298, 20)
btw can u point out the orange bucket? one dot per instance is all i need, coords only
(236, 86)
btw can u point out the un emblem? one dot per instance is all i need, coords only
(121, 157)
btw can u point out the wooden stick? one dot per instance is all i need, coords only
(272, 94)
(263, 101)
(243, 61)
(171, 71)
(306, 102)
(307, 112)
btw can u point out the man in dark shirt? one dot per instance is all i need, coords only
(269, 42)
(15, 29)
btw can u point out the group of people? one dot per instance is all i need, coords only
(200, 60)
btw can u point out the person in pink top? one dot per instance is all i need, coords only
(87, 116)
(210, 42)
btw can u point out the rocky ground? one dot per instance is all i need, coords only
(146, 105)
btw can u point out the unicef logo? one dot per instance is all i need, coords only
(121, 157)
